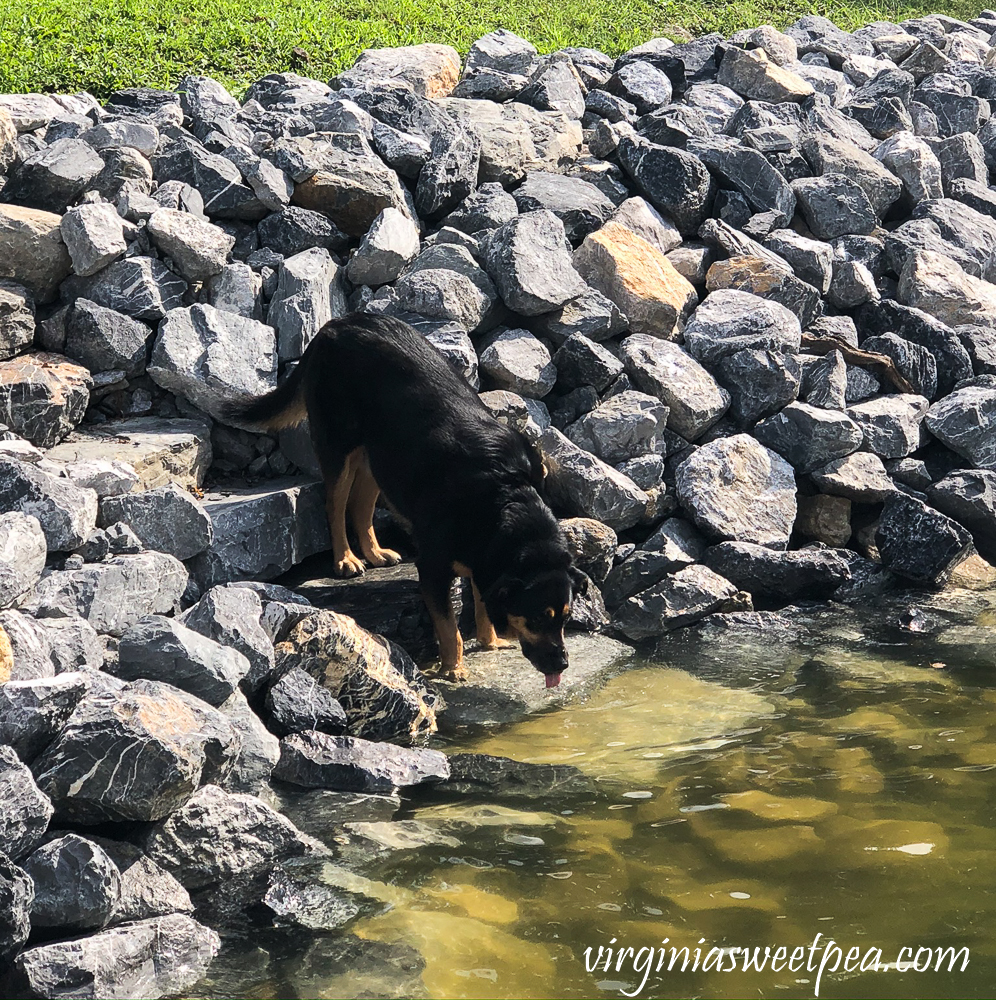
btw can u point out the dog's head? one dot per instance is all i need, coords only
(533, 608)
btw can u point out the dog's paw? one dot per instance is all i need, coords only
(498, 644)
(348, 566)
(383, 557)
(457, 673)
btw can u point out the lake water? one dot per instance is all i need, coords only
(752, 789)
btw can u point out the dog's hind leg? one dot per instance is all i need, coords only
(435, 584)
(337, 489)
(362, 502)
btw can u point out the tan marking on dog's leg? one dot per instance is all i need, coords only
(487, 638)
(362, 501)
(450, 644)
(345, 563)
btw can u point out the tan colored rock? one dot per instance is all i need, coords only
(43, 396)
(938, 285)
(827, 519)
(32, 252)
(972, 574)
(432, 70)
(592, 544)
(638, 278)
(755, 77)
(6, 658)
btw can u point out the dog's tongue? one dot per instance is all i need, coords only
(552, 680)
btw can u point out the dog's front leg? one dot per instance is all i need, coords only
(487, 637)
(435, 583)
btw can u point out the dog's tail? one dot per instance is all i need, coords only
(284, 407)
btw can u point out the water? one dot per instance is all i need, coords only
(750, 791)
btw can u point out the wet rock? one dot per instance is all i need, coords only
(694, 399)
(43, 396)
(162, 649)
(259, 752)
(297, 702)
(94, 236)
(592, 544)
(159, 957)
(33, 711)
(860, 477)
(517, 361)
(965, 422)
(102, 339)
(806, 573)
(919, 543)
(638, 278)
(583, 485)
(77, 886)
(688, 595)
(32, 250)
(141, 287)
(54, 176)
(759, 383)
(809, 437)
(17, 319)
(379, 687)
(891, 424)
(344, 763)
(834, 205)
(213, 358)
(25, 810)
(307, 893)
(970, 498)
(16, 895)
(167, 742)
(22, 556)
(113, 595)
(736, 489)
(167, 519)
(485, 776)
(728, 321)
(67, 514)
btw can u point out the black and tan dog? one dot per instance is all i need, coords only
(387, 412)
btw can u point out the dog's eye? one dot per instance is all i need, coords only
(550, 613)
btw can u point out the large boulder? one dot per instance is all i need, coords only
(43, 396)
(782, 576)
(32, 712)
(25, 810)
(16, 897)
(167, 519)
(966, 422)
(22, 556)
(32, 251)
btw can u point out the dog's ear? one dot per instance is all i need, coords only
(579, 581)
(498, 600)
(537, 464)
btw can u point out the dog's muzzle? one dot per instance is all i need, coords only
(550, 660)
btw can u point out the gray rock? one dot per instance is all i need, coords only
(966, 422)
(834, 205)
(17, 319)
(582, 362)
(103, 339)
(914, 163)
(811, 573)
(260, 749)
(728, 321)
(23, 551)
(688, 595)
(442, 293)
(54, 176)
(344, 763)
(811, 260)
(759, 383)
(809, 437)
(663, 369)
(43, 396)
(825, 382)
(590, 315)
(16, 895)
(449, 174)
(852, 285)
(970, 498)
(390, 244)
(94, 236)
(750, 173)
(579, 205)
(113, 595)
(642, 218)
(555, 87)
(981, 346)
(162, 956)
(860, 477)
(167, 742)
(405, 153)
(639, 571)
(500, 50)
(297, 702)
(737, 490)
(77, 886)
(67, 514)
(678, 540)
(167, 519)
(197, 248)
(32, 712)
(146, 889)
(592, 545)
(915, 363)
(306, 893)
(891, 424)
(517, 361)
(309, 293)
(294, 229)
(919, 543)
(141, 287)
(161, 649)
(489, 207)
(25, 810)
(213, 358)
(237, 288)
(625, 426)
(830, 155)
(583, 485)
(25, 653)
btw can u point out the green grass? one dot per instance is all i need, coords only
(103, 45)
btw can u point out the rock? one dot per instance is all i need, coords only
(16, 896)
(919, 543)
(829, 155)
(140, 287)
(762, 277)
(430, 70)
(317, 760)
(25, 653)
(637, 572)
(43, 396)
(113, 595)
(640, 217)
(213, 358)
(737, 490)
(914, 163)
(811, 573)
(981, 346)
(970, 498)
(32, 251)
(488, 777)
(25, 810)
(259, 752)
(294, 229)
(638, 278)
(759, 383)
(160, 450)
(811, 260)
(94, 236)
(33, 711)
(825, 518)
(860, 477)
(378, 685)
(517, 361)
(915, 363)
(390, 243)
(77, 886)
(146, 889)
(168, 741)
(17, 319)
(297, 702)
(54, 176)
(238, 289)
(694, 399)
(751, 174)
(685, 597)
(964, 421)
(809, 437)
(162, 956)
(936, 284)
(161, 649)
(579, 205)
(592, 545)
(103, 340)
(23, 551)
(755, 77)
(625, 426)
(582, 362)
(891, 424)
(197, 248)
(590, 315)
(303, 893)
(834, 205)
(528, 261)
(309, 293)
(449, 174)
(67, 514)
(728, 321)
(167, 519)
(232, 616)
(583, 485)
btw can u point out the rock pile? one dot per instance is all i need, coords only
(737, 291)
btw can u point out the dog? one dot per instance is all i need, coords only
(387, 412)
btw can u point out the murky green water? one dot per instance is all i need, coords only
(750, 792)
